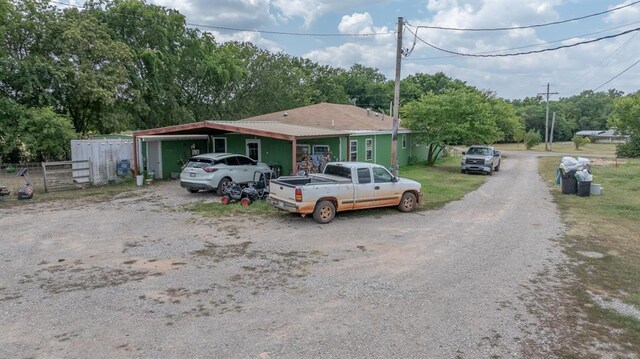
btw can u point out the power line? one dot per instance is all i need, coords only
(528, 46)
(224, 28)
(527, 52)
(616, 76)
(526, 26)
(603, 63)
(292, 33)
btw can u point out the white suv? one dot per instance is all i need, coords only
(213, 171)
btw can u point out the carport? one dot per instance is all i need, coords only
(267, 141)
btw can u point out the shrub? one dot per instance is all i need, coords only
(532, 138)
(579, 141)
(630, 149)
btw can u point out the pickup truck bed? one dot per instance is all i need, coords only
(292, 181)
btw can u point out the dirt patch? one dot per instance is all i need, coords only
(61, 278)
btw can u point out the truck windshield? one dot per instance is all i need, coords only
(338, 171)
(478, 151)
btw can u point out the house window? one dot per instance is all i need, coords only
(368, 150)
(302, 150)
(219, 145)
(404, 140)
(353, 150)
(320, 149)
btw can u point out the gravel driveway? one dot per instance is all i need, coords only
(140, 276)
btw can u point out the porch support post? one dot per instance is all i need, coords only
(294, 165)
(135, 155)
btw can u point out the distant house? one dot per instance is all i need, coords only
(604, 136)
(280, 139)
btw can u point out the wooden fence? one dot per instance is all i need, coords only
(66, 175)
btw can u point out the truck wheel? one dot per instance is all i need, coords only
(222, 184)
(498, 167)
(324, 212)
(462, 171)
(408, 202)
(490, 173)
(191, 190)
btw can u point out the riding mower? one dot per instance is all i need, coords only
(255, 190)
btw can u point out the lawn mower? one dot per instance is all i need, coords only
(258, 188)
(26, 191)
(232, 192)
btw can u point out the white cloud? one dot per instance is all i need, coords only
(624, 16)
(311, 10)
(248, 36)
(247, 14)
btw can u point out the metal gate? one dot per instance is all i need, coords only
(66, 175)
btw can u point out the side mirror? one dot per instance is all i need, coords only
(496, 153)
(464, 153)
(394, 179)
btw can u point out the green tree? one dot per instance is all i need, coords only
(367, 87)
(625, 118)
(46, 135)
(532, 138)
(93, 70)
(508, 121)
(33, 133)
(452, 117)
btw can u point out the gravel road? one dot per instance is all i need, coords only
(140, 276)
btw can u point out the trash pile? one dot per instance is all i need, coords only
(575, 177)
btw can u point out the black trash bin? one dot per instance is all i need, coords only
(569, 183)
(584, 188)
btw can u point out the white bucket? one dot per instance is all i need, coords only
(596, 189)
(139, 180)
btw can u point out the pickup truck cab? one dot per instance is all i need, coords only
(485, 159)
(343, 186)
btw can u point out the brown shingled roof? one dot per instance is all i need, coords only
(330, 116)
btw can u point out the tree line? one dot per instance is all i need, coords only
(123, 65)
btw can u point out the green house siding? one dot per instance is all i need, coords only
(272, 151)
(276, 152)
(177, 153)
(382, 149)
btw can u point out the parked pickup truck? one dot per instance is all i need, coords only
(485, 159)
(343, 186)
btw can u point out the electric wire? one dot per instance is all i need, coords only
(529, 46)
(616, 76)
(603, 63)
(526, 52)
(528, 26)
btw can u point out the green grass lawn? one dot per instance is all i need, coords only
(606, 224)
(564, 147)
(443, 182)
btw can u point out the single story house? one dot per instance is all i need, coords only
(280, 139)
(602, 136)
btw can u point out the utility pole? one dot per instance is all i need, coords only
(396, 102)
(546, 124)
(553, 122)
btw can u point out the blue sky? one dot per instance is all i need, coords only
(569, 71)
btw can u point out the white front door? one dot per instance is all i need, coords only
(253, 149)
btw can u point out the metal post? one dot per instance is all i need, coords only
(396, 102)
